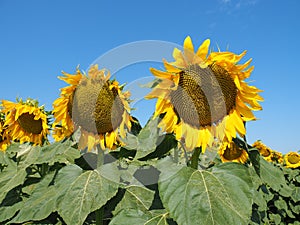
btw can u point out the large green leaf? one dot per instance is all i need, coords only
(222, 195)
(11, 178)
(61, 152)
(296, 194)
(40, 204)
(5, 161)
(87, 193)
(140, 217)
(28, 155)
(65, 178)
(9, 211)
(148, 138)
(271, 175)
(136, 197)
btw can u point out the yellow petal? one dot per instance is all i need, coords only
(203, 49)
(161, 74)
(188, 49)
(170, 68)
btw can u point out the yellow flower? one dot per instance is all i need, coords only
(292, 160)
(265, 151)
(96, 105)
(230, 152)
(203, 97)
(25, 121)
(277, 157)
(4, 137)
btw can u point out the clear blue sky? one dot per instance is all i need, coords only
(40, 38)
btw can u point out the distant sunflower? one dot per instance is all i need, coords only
(96, 105)
(277, 157)
(4, 137)
(202, 97)
(292, 160)
(265, 151)
(230, 152)
(25, 121)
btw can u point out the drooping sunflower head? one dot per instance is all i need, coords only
(25, 121)
(277, 157)
(231, 152)
(292, 160)
(203, 96)
(264, 150)
(96, 105)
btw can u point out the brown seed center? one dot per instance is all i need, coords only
(29, 124)
(95, 107)
(294, 159)
(232, 152)
(204, 95)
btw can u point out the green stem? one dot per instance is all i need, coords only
(99, 216)
(44, 169)
(176, 157)
(100, 156)
(99, 212)
(245, 139)
(195, 158)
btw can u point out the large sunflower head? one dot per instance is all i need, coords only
(4, 137)
(203, 96)
(292, 160)
(25, 121)
(231, 152)
(96, 105)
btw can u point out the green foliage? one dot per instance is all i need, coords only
(207, 197)
(145, 182)
(277, 199)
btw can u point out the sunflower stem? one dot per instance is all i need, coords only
(195, 158)
(44, 169)
(99, 212)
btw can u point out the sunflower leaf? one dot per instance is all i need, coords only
(137, 216)
(58, 152)
(136, 197)
(148, 138)
(40, 204)
(223, 193)
(255, 159)
(10, 178)
(9, 211)
(271, 175)
(87, 193)
(5, 161)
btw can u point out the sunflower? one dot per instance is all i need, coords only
(277, 157)
(230, 152)
(96, 105)
(25, 121)
(4, 137)
(265, 151)
(292, 160)
(202, 97)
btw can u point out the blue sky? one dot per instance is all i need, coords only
(40, 38)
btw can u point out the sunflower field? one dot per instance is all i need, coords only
(89, 161)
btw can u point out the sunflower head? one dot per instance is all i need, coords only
(96, 105)
(292, 160)
(25, 121)
(4, 137)
(264, 150)
(231, 152)
(277, 157)
(203, 95)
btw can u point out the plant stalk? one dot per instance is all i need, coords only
(195, 158)
(99, 212)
